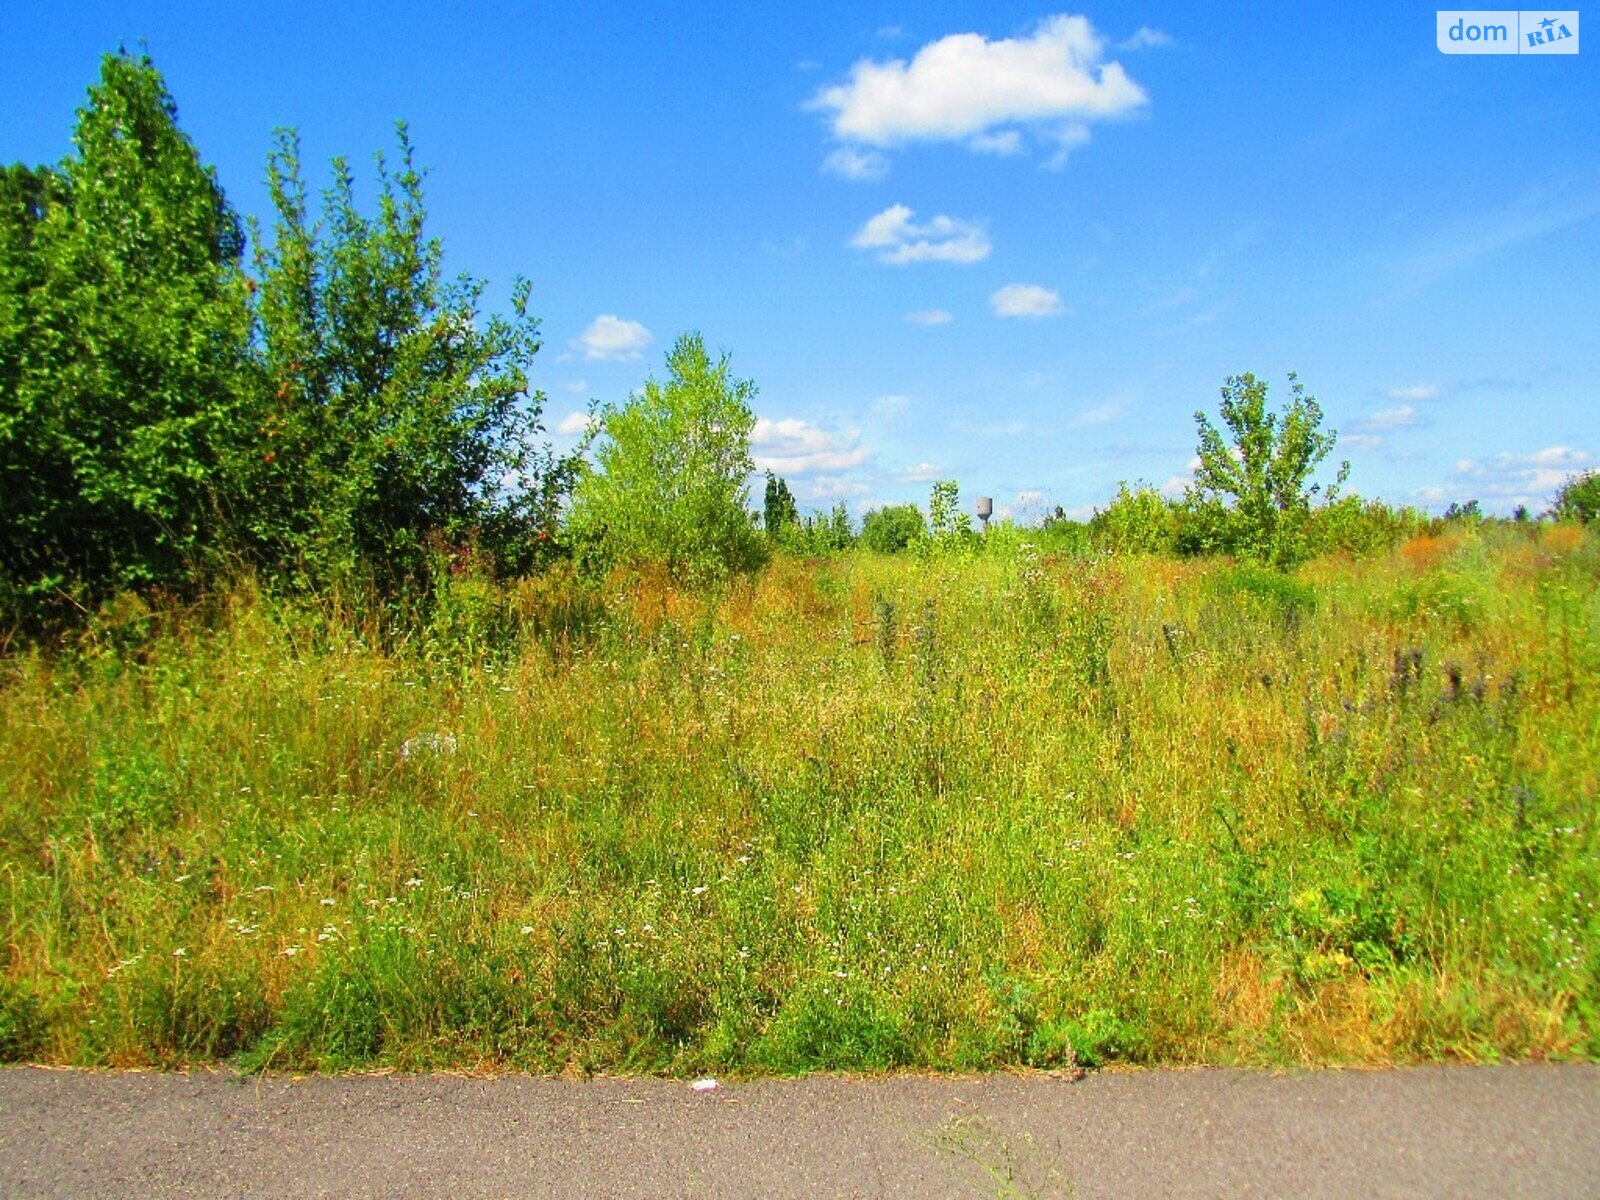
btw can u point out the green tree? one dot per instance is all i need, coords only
(949, 528)
(1578, 499)
(778, 511)
(1262, 472)
(124, 322)
(672, 478)
(893, 528)
(393, 413)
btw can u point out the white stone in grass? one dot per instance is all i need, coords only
(703, 1085)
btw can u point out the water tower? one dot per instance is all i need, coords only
(985, 510)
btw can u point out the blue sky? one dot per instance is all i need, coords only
(1012, 245)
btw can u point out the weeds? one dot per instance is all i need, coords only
(871, 813)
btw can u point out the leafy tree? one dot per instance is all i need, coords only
(822, 533)
(123, 324)
(1578, 499)
(893, 528)
(672, 483)
(947, 524)
(778, 511)
(1263, 470)
(393, 412)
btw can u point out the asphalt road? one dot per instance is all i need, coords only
(1437, 1131)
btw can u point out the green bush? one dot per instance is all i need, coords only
(1061, 535)
(393, 413)
(1253, 587)
(893, 528)
(1578, 499)
(1139, 521)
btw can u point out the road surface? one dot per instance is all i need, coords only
(1434, 1131)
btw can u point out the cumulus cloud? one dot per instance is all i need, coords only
(1504, 481)
(1420, 391)
(929, 316)
(967, 88)
(573, 423)
(848, 162)
(1025, 300)
(790, 446)
(900, 240)
(610, 337)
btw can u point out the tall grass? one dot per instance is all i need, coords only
(854, 813)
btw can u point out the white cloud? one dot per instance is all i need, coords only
(889, 405)
(847, 162)
(573, 423)
(610, 337)
(1028, 496)
(1174, 488)
(1360, 441)
(1067, 139)
(1025, 300)
(1507, 480)
(1145, 38)
(900, 240)
(923, 472)
(1420, 391)
(965, 87)
(789, 446)
(824, 488)
(1388, 418)
(576, 387)
(929, 316)
(1002, 143)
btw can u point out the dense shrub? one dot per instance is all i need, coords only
(1139, 521)
(1578, 499)
(893, 528)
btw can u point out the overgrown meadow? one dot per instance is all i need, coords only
(858, 812)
